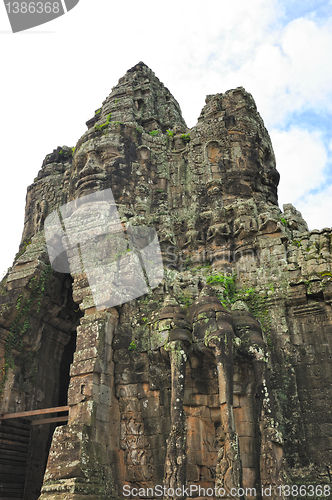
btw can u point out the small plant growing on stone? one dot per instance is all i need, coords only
(104, 125)
(132, 346)
(169, 133)
(269, 341)
(18, 302)
(185, 137)
(26, 243)
(204, 266)
(227, 282)
(154, 132)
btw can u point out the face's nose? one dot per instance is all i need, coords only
(92, 166)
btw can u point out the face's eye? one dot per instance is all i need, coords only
(80, 161)
(103, 155)
(107, 156)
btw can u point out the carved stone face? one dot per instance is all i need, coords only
(96, 162)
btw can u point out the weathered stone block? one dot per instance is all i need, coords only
(143, 391)
(197, 411)
(103, 413)
(122, 357)
(156, 425)
(133, 442)
(83, 412)
(129, 404)
(245, 429)
(191, 399)
(205, 386)
(122, 341)
(127, 377)
(82, 387)
(244, 414)
(85, 367)
(250, 476)
(124, 391)
(150, 407)
(248, 451)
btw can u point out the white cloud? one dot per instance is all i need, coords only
(287, 70)
(301, 159)
(316, 209)
(308, 48)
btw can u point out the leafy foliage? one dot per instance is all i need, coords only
(185, 137)
(228, 283)
(104, 125)
(132, 346)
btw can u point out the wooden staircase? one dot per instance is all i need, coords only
(14, 448)
(15, 431)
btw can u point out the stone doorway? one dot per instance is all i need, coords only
(66, 361)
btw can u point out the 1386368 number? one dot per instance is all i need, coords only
(33, 7)
(304, 490)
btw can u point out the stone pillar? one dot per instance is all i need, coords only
(172, 318)
(270, 449)
(79, 460)
(176, 460)
(214, 325)
(229, 467)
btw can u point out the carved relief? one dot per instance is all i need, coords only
(245, 222)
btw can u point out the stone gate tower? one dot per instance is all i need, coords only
(219, 377)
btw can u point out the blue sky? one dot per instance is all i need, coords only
(55, 76)
(311, 9)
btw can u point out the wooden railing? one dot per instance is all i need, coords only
(33, 413)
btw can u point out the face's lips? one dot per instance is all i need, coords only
(90, 178)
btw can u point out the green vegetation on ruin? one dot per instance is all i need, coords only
(26, 243)
(185, 137)
(21, 324)
(66, 153)
(132, 346)
(228, 282)
(104, 125)
(116, 123)
(255, 298)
